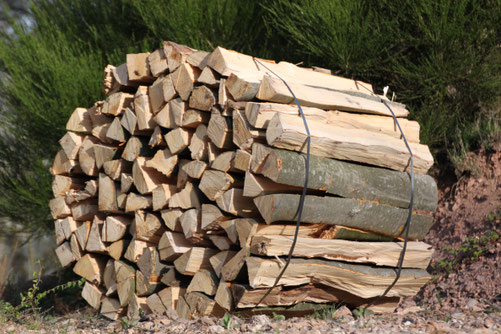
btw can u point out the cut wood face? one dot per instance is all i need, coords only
(180, 191)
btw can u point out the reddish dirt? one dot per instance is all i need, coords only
(466, 238)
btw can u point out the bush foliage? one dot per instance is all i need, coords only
(442, 59)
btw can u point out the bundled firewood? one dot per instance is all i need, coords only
(181, 189)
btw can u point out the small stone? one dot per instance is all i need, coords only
(260, 319)
(488, 323)
(343, 312)
(457, 315)
(471, 303)
(216, 329)
(206, 321)
(172, 314)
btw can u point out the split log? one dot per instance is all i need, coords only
(63, 165)
(116, 103)
(171, 219)
(193, 118)
(136, 249)
(214, 183)
(115, 227)
(138, 69)
(202, 305)
(115, 168)
(158, 62)
(185, 199)
(70, 143)
(232, 268)
(243, 86)
(161, 196)
(193, 260)
(90, 191)
(146, 178)
(107, 198)
(92, 294)
(259, 154)
(224, 161)
(79, 121)
(220, 130)
(359, 280)
(243, 134)
(256, 185)
(150, 265)
(95, 241)
(274, 90)
(218, 260)
(136, 147)
(90, 267)
(148, 227)
(211, 217)
(160, 93)
(198, 59)
(183, 309)
(110, 278)
(285, 131)
(183, 78)
(130, 123)
(163, 161)
(84, 210)
(104, 153)
(365, 215)
(68, 226)
(242, 160)
(178, 139)
(136, 202)
(143, 110)
(194, 169)
(176, 54)
(177, 108)
(221, 242)
(76, 250)
(82, 234)
(170, 296)
(224, 296)
(233, 201)
(86, 158)
(110, 308)
(418, 254)
(155, 304)
(64, 254)
(126, 282)
(175, 279)
(190, 223)
(209, 78)
(182, 176)
(204, 281)
(59, 233)
(351, 180)
(63, 184)
(199, 143)
(157, 138)
(116, 249)
(202, 98)
(172, 245)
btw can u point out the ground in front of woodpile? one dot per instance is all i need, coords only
(464, 297)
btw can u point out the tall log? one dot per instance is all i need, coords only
(198, 144)
(169, 296)
(64, 254)
(177, 108)
(161, 196)
(286, 131)
(92, 295)
(220, 130)
(107, 199)
(143, 109)
(365, 215)
(161, 92)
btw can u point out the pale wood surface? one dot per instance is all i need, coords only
(244, 135)
(79, 121)
(233, 201)
(172, 245)
(171, 219)
(146, 178)
(178, 139)
(242, 160)
(90, 267)
(158, 62)
(224, 161)
(193, 118)
(218, 260)
(143, 109)
(135, 147)
(163, 161)
(183, 78)
(92, 295)
(138, 68)
(202, 98)
(204, 281)
(198, 144)
(136, 202)
(195, 259)
(64, 254)
(176, 54)
(220, 131)
(187, 198)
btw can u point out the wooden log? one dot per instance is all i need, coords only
(143, 286)
(136, 147)
(204, 281)
(226, 62)
(171, 219)
(259, 154)
(232, 268)
(94, 241)
(107, 198)
(121, 78)
(79, 121)
(274, 90)
(224, 161)
(63, 184)
(178, 139)
(116, 103)
(64, 254)
(104, 153)
(150, 265)
(351, 180)
(82, 234)
(92, 294)
(209, 78)
(110, 308)
(182, 177)
(187, 198)
(183, 78)
(84, 210)
(193, 118)
(224, 296)
(221, 242)
(115, 227)
(418, 254)
(143, 109)
(198, 59)
(138, 68)
(110, 85)
(195, 169)
(202, 305)
(70, 143)
(90, 190)
(155, 304)
(176, 54)
(115, 168)
(218, 260)
(220, 130)
(223, 96)
(172, 245)
(243, 134)
(146, 178)
(157, 138)
(230, 229)
(157, 62)
(233, 201)
(285, 131)
(190, 222)
(58, 231)
(242, 160)
(357, 279)
(63, 165)
(193, 260)
(148, 227)
(130, 123)
(86, 158)
(169, 296)
(256, 185)
(91, 267)
(110, 278)
(202, 98)
(136, 249)
(243, 86)
(126, 182)
(163, 161)
(175, 279)
(198, 144)
(116, 249)
(161, 92)
(161, 196)
(211, 217)
(214, 183)
(177, 108)
(68, 226)
(164, 117)
(353, 234)
(136, 202)
(247, 228)
(76, 250)
(126, 282)
(365, 215)
(260, 114)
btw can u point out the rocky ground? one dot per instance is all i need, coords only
(464, 296)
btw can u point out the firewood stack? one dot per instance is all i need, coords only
(181, 189)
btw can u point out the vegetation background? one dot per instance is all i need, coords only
(442, 58)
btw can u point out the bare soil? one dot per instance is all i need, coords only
(464, 297)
